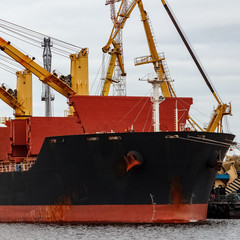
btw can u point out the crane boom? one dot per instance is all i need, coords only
(115, 72)
(21, 98)
(10, 100)
(115, 55)
(190, 50)
(121, 14)
(154, 56)
(43, 75)
(216, 120)
(222, 109)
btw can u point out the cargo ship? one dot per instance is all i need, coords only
(115, 173)
(117, 160)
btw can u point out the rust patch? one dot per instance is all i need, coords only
(51, 213)
(176, 192)
(58, 212)
(36, 215)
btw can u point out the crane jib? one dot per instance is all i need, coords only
(189, 48)
(43, 75)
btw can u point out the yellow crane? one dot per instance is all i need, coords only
(222, 109)
(79, 72)
(115, 54)
(63, 85)
(154, 57)
(21, 99)
(115, 72)
(75, 83)
(43, 75)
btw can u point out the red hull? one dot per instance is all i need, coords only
(105, 213)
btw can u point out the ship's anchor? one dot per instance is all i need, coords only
(133, 159)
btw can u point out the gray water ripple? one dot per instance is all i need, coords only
(211, 229)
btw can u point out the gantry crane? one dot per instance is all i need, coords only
(21, 99)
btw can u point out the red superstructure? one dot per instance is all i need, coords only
(24, 137)
(4, 142)
(118, 113)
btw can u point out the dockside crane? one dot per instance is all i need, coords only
(116, 55)
(155, 58)
(222, 108)
(116, 64)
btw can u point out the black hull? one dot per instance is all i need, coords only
(174, 168)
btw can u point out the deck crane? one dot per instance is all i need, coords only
(154, 57)
(222, 109)
(21, 99)
(43, 75)
(116, 60)
(66, 86)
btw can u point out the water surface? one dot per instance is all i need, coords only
(211, 229)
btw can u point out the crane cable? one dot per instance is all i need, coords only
(36, 37)
(35, 33)
(191, 51)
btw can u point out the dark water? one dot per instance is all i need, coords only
(211, 229)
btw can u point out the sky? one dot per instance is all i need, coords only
(212, 28)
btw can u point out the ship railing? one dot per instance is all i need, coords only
(16, 167)
(234, 197)
(148, 59)
(182, 127)
(4, 120)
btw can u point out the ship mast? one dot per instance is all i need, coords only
(156, 100)
(47, 96)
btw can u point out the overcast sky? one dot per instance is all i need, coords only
(212, 27)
